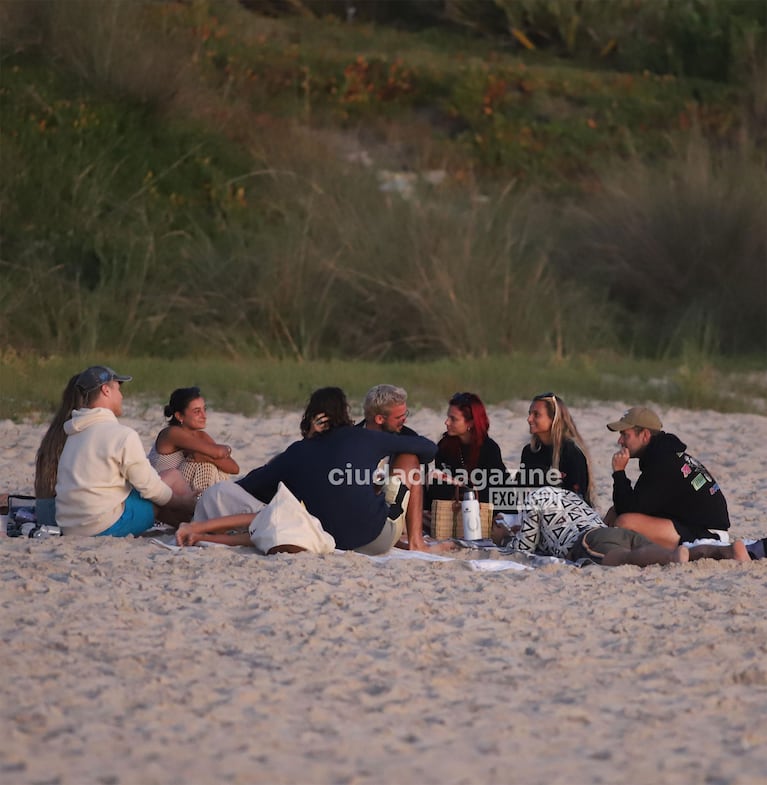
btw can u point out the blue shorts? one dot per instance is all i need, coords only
(137, 517)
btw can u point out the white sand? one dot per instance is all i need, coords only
(127, 664)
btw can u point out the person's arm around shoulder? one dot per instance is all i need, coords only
(424, 449)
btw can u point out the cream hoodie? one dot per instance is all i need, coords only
(101, 463)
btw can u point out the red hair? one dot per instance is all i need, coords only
(474, 412)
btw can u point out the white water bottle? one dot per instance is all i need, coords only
(472, 525)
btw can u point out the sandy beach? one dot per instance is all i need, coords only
(129, 664)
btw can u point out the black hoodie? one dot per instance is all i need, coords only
(672, 485)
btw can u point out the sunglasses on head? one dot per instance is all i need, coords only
(549, 396)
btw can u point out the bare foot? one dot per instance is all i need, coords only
(681, 555)
(739, 551)
(443, 546)
(735, 551)
(288, 548)
(440, 546)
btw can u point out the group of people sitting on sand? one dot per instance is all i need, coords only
(368, 487)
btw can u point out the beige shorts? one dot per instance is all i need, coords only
(392, 528)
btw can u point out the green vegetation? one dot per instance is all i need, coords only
(187, 181)
(30, 386)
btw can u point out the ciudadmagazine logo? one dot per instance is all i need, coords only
(534, 487)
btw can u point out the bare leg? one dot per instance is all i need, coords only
(646, 555)
(659, 530)
(177, 510)
(408, 468)
(175, 480)
(737, 550)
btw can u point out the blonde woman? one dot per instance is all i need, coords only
(555, 444)
(554, 480)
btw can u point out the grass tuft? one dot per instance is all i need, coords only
(32, 387)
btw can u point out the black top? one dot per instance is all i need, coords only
(490, 471)
(332, 474)
(573, 468)
(672, 485)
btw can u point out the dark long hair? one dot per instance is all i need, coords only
(474, 412)
(179, 400)
(330, 401)
(49, 452)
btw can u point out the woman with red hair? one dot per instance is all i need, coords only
(466, 455)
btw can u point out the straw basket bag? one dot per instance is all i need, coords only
(447, 521)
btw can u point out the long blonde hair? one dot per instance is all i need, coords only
(562, 429)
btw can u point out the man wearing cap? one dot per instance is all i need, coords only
(675, 499)
(557, 522)
(105, 483)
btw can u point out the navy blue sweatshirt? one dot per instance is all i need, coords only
(331, 473)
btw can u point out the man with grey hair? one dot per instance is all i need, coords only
(385, 408)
